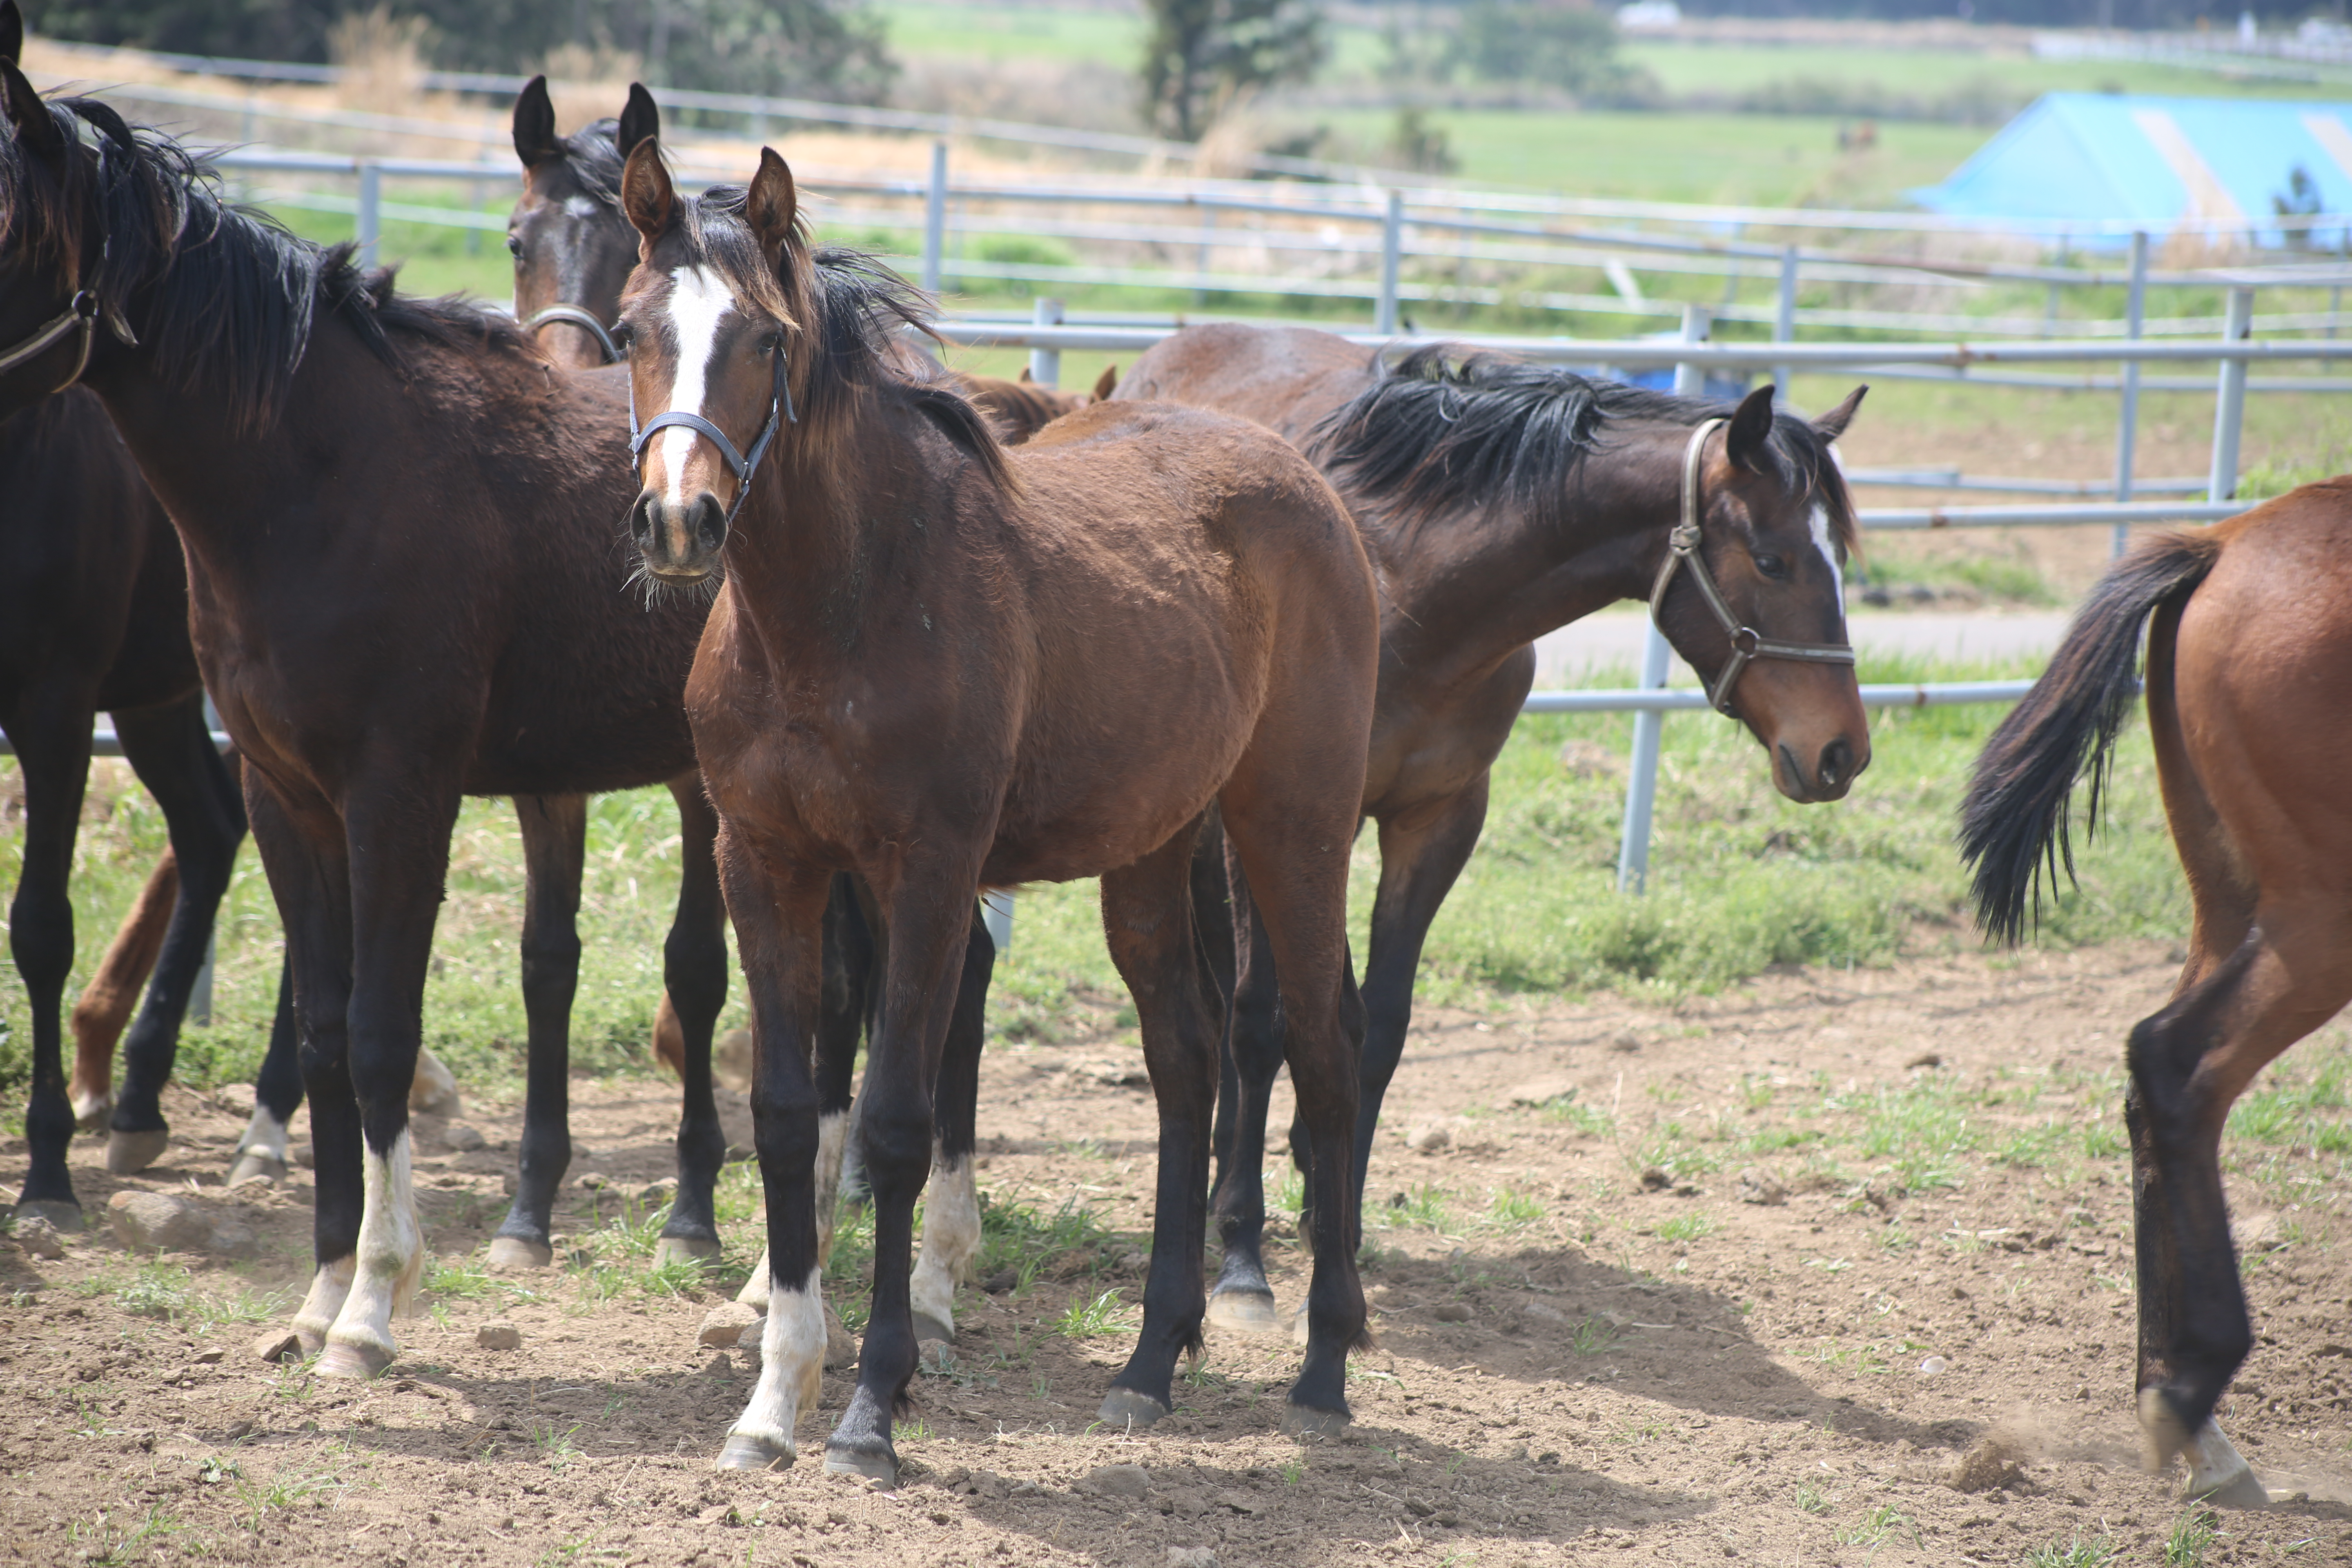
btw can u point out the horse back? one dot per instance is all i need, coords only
(1285, 378)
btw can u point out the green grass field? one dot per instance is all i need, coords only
(1741, 880)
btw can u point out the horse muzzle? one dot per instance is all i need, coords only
(1831, 772)
(679, 541)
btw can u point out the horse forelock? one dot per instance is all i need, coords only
(593, 157)
(1448, 430)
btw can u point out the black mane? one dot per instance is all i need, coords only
(853, 309)
(224, 298)
(1447, 429)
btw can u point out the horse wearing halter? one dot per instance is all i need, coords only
(779, 413)
(1684, 554)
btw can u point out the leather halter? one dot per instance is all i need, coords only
(81, 314)
(779, 413)
(585, 320)
(1683, 553)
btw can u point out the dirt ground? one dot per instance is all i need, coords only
(1750, 1279)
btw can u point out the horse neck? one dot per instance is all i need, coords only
(1467, 588)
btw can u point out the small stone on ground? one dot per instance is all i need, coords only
(498, 1337)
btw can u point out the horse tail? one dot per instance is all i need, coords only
(2014, 818)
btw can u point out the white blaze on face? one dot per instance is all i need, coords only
(792, 1362)
(951, 1240)
(698, 301)
(1826, 543)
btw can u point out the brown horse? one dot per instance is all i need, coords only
(2248, 678)
(404, 587)
(945, 666)
(1501, 500)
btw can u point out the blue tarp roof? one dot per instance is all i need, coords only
(2114, 162)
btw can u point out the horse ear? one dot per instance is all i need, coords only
(1833, 424)
(39, 133)
(640, 120)
(1024, 376)
(12, 32)
(646, 194)
(1106, 382)
(1751, 430)
(534, 124)
(772, 207)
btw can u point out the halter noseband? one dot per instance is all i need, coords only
(81, 314)
(779, 413)
(1747, 643)
(585, 320)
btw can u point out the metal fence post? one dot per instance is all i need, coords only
(1784, 319)
(1384, 314)
(369, 227)
(935, 219)
(1642, 784)
(2127, 424)
(1045, 364)
(2230, 398)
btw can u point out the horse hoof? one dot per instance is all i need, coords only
(128, 1154)
(256, 1165)
(881, 1468)
(1304, 1421)
(92, 1112)
(2243, 1489)
(744, 1452)
(512, 1252)
(1125, 1409)
(1245, 1312)
(685, 1250)
(930, 1327)
(63, 1212)
(362, 1363)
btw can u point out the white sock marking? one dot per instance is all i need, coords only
(951, 1240)
(791, 1363)
(330, 1286)
(265, 1135)
(391, 1252)
(698, 301)
(2213, 1461)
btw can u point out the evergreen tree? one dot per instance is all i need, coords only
(1203, 53)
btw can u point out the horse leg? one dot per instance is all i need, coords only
(554, 846)
(396, 892)
(104, 1009)
(170, 747)
(1422, 854)
(1294, 853)
(1147, 915)
(928, 918)
(277, 1091)
(694, 974)
(2190, 1062)
(951, 1211)
(778, 935)
(1249, 1060)
(847, 964)
(309, 876)
(51, 734)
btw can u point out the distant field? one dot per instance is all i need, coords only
(1683, 69)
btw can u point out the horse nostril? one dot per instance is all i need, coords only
(1837, 763)
(641, 520)
(710, 522)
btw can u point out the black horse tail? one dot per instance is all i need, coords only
(2014, 818)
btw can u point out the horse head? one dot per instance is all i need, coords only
(571, 245)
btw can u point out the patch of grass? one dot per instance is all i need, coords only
(283, 1490)
(1811, 1502)
(165, 1291)
(2076, 1552)
(1872, 1528)
(2300, 1102)
(1424, 1206)
(555, 1444)
(1589, 1119)
(1686, 1227)
(1087, 1319)
(105, 1544)
(2192, 1536)
(1060, 1244)
(1594, 1336)
(1672, 1149)
(1513, 1210)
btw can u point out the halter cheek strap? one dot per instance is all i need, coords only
(585, 322)
(1684, 554)
(81, 315)
(779, 413)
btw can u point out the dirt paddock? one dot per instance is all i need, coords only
(1769, 1276)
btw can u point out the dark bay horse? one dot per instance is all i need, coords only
(1499, 500)
(93, 619)
(404, 588)
(2249, 681)
(944, 665)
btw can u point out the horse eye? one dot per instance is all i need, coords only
(1771, 566)
(514, 245)
(623, 336)
(770, 344)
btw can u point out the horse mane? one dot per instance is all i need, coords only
(1448, 430)
(230, 296)
(850, 309)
